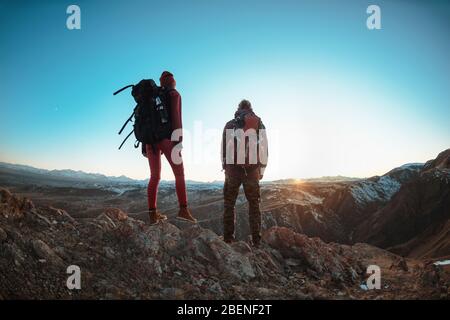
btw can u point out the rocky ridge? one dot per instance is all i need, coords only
(121, 257)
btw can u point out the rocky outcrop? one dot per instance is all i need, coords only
(314, 256)
(442, 162)
(13, 207)
(121, 257)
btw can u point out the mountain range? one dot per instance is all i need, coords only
(319, 237)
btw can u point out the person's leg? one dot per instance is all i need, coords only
(252, 193)
(166, 147)
(176, 163)
(154, 160)
(230, 193)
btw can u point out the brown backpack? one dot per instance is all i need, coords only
(244, 141)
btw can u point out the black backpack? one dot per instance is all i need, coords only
(152, 122)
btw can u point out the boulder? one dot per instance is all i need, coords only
(311, 253)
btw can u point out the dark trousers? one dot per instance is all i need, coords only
(252, 193)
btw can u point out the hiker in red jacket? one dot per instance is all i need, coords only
(153, 153)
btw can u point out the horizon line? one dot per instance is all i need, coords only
(200, 181)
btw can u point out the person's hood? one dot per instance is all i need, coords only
(240, 113)
(167, 80)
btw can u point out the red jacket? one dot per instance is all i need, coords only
(168, 81)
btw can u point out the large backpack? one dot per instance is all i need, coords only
(245, 120)
(151, 116)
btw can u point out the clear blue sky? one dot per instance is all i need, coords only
(336, 97)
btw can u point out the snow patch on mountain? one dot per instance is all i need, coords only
(313, 199)
(389, 186)
(368, 191)
(317, 216)
(416, 166)
(442, 263)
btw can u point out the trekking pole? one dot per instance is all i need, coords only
(126, 139)
(126, 122)
(120, 90)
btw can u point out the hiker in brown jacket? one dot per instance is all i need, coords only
(244, 158)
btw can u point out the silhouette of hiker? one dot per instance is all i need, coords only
(153, 153)
(244, 158)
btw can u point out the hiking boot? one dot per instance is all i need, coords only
(256, 242)
(155, 216)
(185, 214)
(229, 239)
